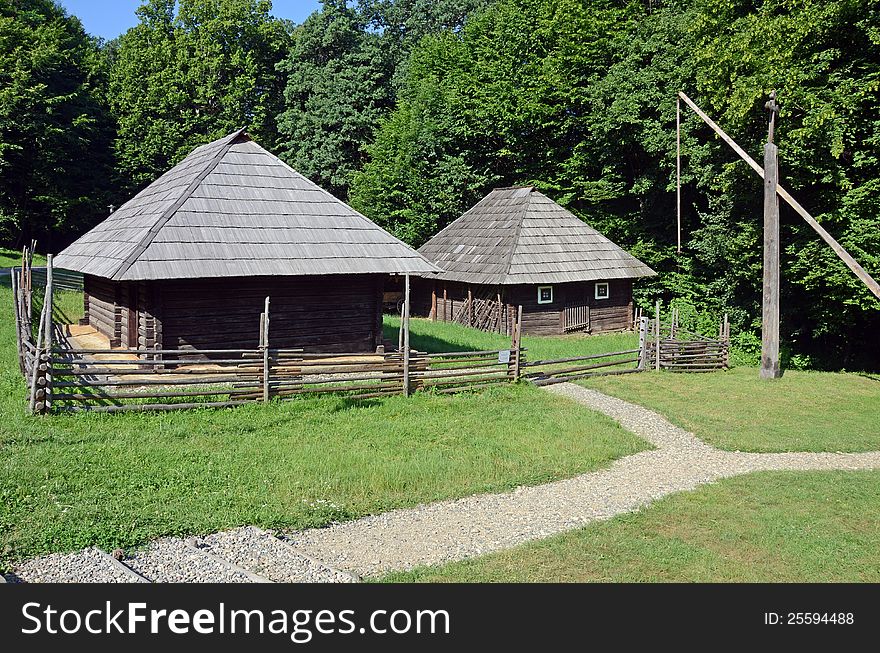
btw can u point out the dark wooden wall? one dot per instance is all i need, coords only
(612, 314)
(102, 303)
(325, 314)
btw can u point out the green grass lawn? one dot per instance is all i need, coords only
(767, 527)
(70, 481)
(802, 411)
(429, 336)
(10, 258)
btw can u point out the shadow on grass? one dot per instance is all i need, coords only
(425, 342)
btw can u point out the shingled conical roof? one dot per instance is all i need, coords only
(232, 209)
(521, 236)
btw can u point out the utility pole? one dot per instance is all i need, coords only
(770, 312)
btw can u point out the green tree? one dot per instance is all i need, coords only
(54, 129)
(337, 89)
(578, 98)
(342, 72)
(192, 71)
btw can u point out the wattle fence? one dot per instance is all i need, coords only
(64, 378)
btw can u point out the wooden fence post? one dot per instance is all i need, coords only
(657, 335)
(49, 299)
(405, 323)
(517, 330)
(643, 342)
(264, 344)
(725, 338)
(38, 352)
(19, 345)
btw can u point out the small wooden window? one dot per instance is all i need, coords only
(545, 294)
(602, 290)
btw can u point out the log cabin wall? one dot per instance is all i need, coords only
(324, 314)
(321, 314)
(614, 313)
(611, 314)
(103, 307)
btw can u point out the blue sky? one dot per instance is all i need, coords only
(110, 18)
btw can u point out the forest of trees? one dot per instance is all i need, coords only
(411, 110)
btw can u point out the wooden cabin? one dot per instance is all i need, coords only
(188, 262)
(517, 247)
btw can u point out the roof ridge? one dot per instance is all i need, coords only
(516, 236)
(168, 213)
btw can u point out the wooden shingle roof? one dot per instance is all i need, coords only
(521, 236)
(232, 209)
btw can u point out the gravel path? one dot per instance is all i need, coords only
(86, 566)
(262, 553)
(172, 560)
(451, 530)
(454, 530)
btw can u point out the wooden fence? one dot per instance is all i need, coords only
(63, 378)
(671, 347)
(486, 312)
(62, 279)
(126, 380)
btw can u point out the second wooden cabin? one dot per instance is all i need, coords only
(188, 262)
(517, 247)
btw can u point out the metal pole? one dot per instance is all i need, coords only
(406, 337)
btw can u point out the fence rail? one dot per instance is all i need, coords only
(61, 279)
(63, 378)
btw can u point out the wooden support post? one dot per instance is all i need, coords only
(657, 336)
(770, 311)
(434, 303)
(844, 256)
(444, 302)
(405, 322)
(264, 343)
(470, 308)
(643, 343)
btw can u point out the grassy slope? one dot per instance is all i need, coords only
(10, 258)
(117, 480)
(802, 411)
(426, 335)
(780, 527)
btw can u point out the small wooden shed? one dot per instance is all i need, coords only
(517, 247)
(188, 261)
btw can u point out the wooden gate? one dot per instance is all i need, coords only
(575, 317)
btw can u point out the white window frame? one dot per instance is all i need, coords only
(549, 301)
(607, 290)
